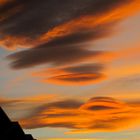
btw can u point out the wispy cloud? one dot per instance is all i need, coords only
(102, 114)
(23, 106)
(72, 75)
(60, 37)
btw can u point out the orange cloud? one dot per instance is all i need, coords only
(63, 40)
(89, 22)
(99, 114)
(12, 43)
(119, 10)
(76, 79)
(72, 75)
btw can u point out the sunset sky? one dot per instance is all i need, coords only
(70, 69)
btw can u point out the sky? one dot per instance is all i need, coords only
(70, 69)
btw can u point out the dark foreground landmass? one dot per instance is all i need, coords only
(11, 130)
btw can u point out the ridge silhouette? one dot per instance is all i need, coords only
(11, 130)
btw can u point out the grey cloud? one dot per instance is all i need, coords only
(100, 107)
(54, 55)
(31, 19)
(66, 104)
(85, 68)
(61, 50)
(36, 17)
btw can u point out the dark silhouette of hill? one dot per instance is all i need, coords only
(11, 130)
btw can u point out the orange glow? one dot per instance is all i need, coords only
(124, 71)
(125, 54)
(85, 22)
(61, 77)
(76, 53)
(75, 79)
(105, 114)
(92, 21)
(12, 43)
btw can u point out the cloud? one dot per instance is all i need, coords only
(26, 23)
(59, 34)
(62, 50)
(33, 14)
(84, 68)
(53, 55)
(7, 102)
(72, 75)
(67, 104)
(23, 106)
(76, 79)
(99, 114)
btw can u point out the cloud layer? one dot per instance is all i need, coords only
(59, 34)
(98, 114)
(72, 75)
(102, 114)
(35, 18)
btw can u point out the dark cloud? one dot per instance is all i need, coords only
(100, 107)
(85, 68)
(57, 34)
(79, 36)
(66, 104)
(35, 17)
(61, 50)
(54, 55)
